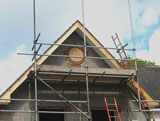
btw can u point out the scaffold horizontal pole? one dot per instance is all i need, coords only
(145, 100)
(25, 111)
(152, 110)
(16, 111)
(44, 100)
(66, 56)
(60, 112)
(71, 45)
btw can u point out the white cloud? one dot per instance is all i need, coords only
(145, 14)
(154, 49)
(150, 17)
(103, 19)
(13, 67)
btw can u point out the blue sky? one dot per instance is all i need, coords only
(103, 19)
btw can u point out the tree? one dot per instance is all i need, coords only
(140, 62)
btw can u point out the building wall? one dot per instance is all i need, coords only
(70, 91)
(22, 93)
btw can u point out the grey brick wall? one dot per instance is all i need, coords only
(96, 99)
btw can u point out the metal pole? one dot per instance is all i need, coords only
(132, 33)
(85, 54)
(29, 97)
(25, 111)
(35, 79)
(80, 116)
(35, 59)
(71, 101)
(44, 100)
(134, 53)
(66, 56)
(34, 19)
(146, 100)
(71, 45)
(152, 110)
(59, 112)
(16, 99)
(16, 111)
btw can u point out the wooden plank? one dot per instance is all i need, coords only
(80, 78)
(104, 51)
(148, 97)
(108, 71)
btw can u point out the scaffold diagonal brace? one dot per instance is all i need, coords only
(61, 96)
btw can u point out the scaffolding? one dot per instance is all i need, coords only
(37, 46)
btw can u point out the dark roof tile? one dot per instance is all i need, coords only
(149, 78)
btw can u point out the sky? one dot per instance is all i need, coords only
(102, 17)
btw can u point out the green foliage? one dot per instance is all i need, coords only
(144, 62)
(140, 62)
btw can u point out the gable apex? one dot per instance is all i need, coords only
(78, 27)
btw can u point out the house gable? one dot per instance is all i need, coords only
(91, 40)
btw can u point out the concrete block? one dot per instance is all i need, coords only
(17, 119)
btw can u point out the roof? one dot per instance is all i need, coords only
(149, 78)
(77, 26)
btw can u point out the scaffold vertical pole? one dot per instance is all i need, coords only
(35, 59)
(85, 54)
(134, 56)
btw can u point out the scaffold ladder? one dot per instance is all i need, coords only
(120, 50)
(107, 109)
(117, 110)
(116, 106)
